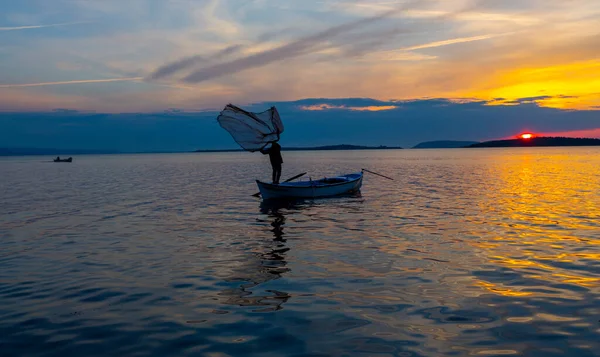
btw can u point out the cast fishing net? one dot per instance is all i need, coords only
(252, 131)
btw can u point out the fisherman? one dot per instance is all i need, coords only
(276, 160)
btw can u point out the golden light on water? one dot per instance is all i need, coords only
(497, 289)
(543, 208)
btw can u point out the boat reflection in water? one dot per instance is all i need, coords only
(265, 265)
(255, 273)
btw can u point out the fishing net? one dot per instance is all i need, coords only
(252, 131)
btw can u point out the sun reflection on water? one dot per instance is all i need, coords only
(545, 212)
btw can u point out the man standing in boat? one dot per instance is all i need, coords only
(274, 153)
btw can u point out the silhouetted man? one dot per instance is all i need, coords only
(276, 160)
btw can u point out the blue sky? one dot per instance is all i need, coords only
(145, 56)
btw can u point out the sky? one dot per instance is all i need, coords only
(497, 66)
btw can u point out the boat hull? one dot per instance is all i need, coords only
(312, 189)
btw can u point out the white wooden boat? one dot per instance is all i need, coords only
(325, 187)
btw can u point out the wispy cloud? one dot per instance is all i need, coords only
(329, 39)
(70, 82)
(449, 42)
(405, 54)
(293, 49)
(325, 106)
(15, 28)
(216, 24)
(481, 11)
(173, 67)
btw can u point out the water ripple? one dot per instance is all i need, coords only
(467, 253)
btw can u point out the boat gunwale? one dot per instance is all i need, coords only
(312, 186)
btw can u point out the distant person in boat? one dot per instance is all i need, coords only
(276, 160)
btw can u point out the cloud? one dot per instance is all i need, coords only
(293, 49)
(449, 42)
(371, 108)
(15, 28)
(323, 42)
(407, 124)
(184, 63)
(70, 82)
(480, 11)
(405, 54)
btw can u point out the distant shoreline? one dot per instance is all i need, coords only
(542, 141)
(533, 142)
(319, 148)
(6, 152)
(444, 144)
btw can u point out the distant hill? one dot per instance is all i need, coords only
(318, 148)
(47, 151)
(444, 144)
(341, 147)
(539, 141)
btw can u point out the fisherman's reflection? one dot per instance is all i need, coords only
(263, 267)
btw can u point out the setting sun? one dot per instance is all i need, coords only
(526, 136)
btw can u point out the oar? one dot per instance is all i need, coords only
(375, 173)
(288, 180)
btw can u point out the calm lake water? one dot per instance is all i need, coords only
(479, 252)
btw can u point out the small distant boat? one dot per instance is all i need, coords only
(58, 159)
(325, 187)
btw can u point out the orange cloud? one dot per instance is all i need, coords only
(371, 108)
(574, 85)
